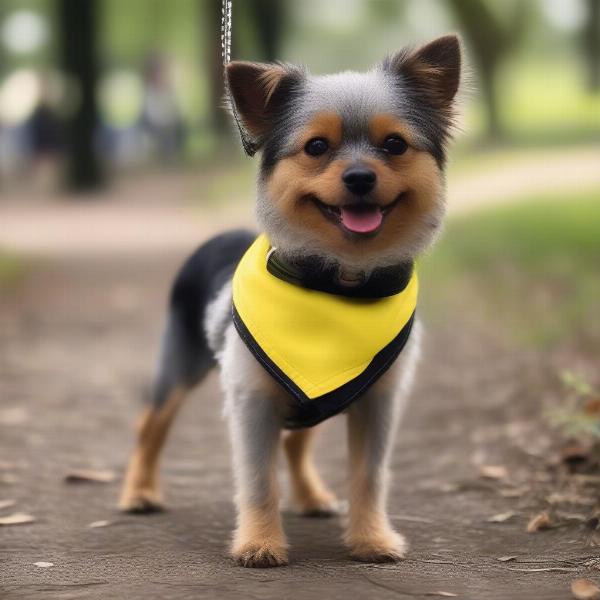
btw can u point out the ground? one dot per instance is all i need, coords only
(77, 344)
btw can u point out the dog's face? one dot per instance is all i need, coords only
(352, 166)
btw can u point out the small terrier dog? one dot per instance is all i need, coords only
(351, 190)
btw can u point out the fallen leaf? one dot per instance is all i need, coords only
(502, 517)
(43, 565)
(592, 407)
(584, 589)
(6, 503)
(17, 519)
(493, 471)
(539, 522)
(89, 476)
(97, 524)
(506, 558)
(544, 569)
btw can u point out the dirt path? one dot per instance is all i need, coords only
(526, 173)
(77, 344)
(76, 349)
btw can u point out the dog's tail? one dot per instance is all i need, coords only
(185, 355)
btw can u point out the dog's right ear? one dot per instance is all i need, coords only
(259, 91)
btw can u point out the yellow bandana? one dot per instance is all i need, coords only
(325, 349)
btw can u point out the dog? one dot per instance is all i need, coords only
(351, 190)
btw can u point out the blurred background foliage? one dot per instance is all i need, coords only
(92, 90)
(534, 68)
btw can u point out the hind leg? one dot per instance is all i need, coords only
(311, 496)
(183, 363)
(141, 492)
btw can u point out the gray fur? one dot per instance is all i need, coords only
(181, 362)
(218, 318)
(253, 420)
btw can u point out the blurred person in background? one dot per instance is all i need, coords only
(161, 117)
(45, 132)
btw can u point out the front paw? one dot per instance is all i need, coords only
(388, 547)
(260, 554)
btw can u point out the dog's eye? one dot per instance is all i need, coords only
(394, 144)
(316, 147)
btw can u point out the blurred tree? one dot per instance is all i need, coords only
(269, 21)
(386, 10)
(78, 20)
(492, 40)
(591, 44)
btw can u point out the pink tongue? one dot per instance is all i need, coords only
(361, 220)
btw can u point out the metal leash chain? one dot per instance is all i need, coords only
(226, 32)
(248, 145)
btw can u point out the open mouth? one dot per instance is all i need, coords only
(364, 218)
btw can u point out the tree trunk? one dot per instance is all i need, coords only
(80, 62)
(269, 21)
(490, 44)
(591, 44)
(490, 97)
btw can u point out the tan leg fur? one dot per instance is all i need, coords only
(141, 492)
(259, 540)
(311, 496)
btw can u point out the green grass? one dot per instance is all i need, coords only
(549, 96)
(530, 270)
(11, 270)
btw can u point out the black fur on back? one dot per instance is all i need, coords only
(185, 355)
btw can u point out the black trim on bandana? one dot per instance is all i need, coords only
(309, 412)
(311, 273)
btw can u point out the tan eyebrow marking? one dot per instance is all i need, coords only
(384, 124)
(327, 125)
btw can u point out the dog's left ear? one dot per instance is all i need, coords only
(434, 69)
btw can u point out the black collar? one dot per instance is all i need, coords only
(311, 273)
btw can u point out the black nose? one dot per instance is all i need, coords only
(359, 180)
